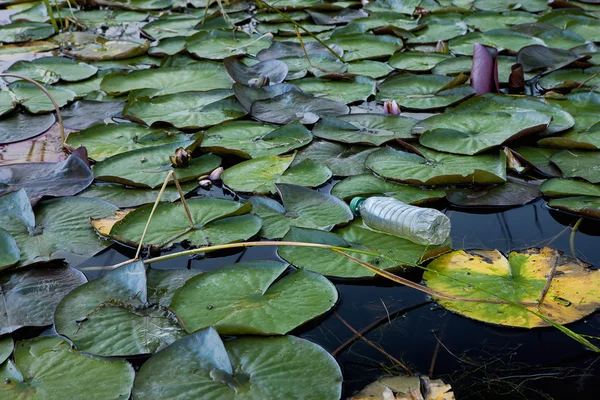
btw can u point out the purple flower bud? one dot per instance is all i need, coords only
(484, 74)
(391, 107)
(441, 47)
(181, 159)
(216, 174)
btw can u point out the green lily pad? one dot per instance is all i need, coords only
(36, 101)
(19, 32)
(370, 129)
(247, 95)
(64, 178)
(148, 167)
(422, 92)
(50, 70)
(242, 298)
(217, 45)
(27, 47)
(587, 206)
(437, 168)
(491, 102)
(488, 20)
(582, 106)
(501, 39)
(107, 17)
(357, 236)
(544, 59)
(7, 346)
(260, 175)
(162, 284)
(586, 140)
(293, 106)
(520, 277)
(60, 226)
(250, 139)
(275, 70)
(579, 164)
(170, 26)
(372, 69)
(252, 368)
(201, 76)
(103, 49)
(302, 207)
(6, 102)
(343, 90)
(217, 221)
(111, 316)
(322, 64)
(508, 194)
(102, 141)
(190, 110)
(342, 160)
(168, 47)
(36, 12)
(367, 185)
(474, 132)
(439, 30)
(30, 296)
(571, 78)
(126, 197)
(17, 127)
(47, 367)
(416, 61)
(366, 46)
(569, 187)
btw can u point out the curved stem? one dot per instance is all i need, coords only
(61, 126)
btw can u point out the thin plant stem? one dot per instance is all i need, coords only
(572, 237)
(162, 189)
(51, 15)
(183, 201)
(373, 345)
(306, 52)
(61, 125)
(548, 284)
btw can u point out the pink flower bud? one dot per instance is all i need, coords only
(216, 174)
(391, 107)
(441, 47)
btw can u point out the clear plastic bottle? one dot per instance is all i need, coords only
(425, 226)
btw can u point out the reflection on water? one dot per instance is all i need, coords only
(481, 361)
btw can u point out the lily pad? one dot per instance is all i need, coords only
(439, 30)
(247, 95)
(103, 49)
(539, 158)
(586, 140)
(254, 139)
(7, 346)
(20, 126)
(367, 185)
(64, 178)
(416, 61)
(126, 197)
(36, 101)
(571, 78)
(366, 46)
(111, 316)
(569, 187)
(342, 160)
(252, 368)
(243, 299)
(260, 175)
(474, 132)
(217, 45)
(434, 168)
(302, 207)
(523, 276)
(201, 76)
(578, 164)
(148, 167)
(191, 110)
(9, 250)
(47, 367)
(275, 70)
(355, 235)
(30, 296)
(370, 129)
(50, 70)
(587, 206)
(545, 59)
(508, 194)
(293, 106)
(345, 91)
(372, 69)
(61, 226)
(24, 31)
(422, 92)
(105, 140)
(6, 102)
(217, 221)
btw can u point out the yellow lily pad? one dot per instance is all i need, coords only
(561, 288)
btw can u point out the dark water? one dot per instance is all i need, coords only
(481, 361)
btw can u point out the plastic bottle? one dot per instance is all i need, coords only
(425, 226)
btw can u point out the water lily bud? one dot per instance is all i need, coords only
(181, 159)
(441, 47)
(216, 174)
(205, 183)
(391, 107)
(364, 2)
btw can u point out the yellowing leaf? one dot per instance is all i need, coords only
(104, 225)
(563, 289)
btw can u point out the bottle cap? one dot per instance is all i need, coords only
(355, 205)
